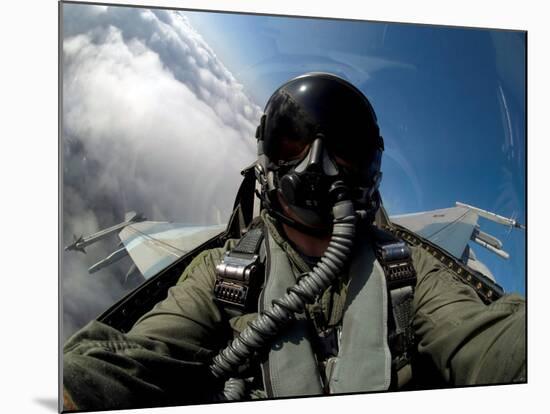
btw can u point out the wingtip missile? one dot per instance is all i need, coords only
(81, 242)
(76, 245)
(133, 217)
(492, 216)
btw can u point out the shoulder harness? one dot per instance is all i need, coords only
(240, 274)
(487, 290)
(394, 255)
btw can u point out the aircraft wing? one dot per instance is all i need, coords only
(449, 228)
(155, 245)
(453, 228)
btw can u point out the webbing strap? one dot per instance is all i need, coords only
(395, 257)
(401, 337)
(249, 243)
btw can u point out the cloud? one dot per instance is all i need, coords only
(152, 122)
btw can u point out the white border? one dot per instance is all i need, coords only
(29, 206)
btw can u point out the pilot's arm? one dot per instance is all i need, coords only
(468, 342)
(163, 360)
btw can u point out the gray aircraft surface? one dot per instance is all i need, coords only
(160, 251)
(81, 242)
(152, 245)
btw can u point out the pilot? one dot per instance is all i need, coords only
(322, 294)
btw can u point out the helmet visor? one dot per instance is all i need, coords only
(348, 135)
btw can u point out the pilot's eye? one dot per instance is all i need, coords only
(291, 149)
(349, 166)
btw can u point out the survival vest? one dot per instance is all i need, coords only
(375, 336)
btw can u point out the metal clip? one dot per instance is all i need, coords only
(395, 258)
(233, 279)
(237, 268)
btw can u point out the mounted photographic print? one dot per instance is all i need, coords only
(262, 207)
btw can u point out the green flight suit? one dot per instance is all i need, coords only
(164, 359)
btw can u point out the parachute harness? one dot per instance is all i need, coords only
(260, 332)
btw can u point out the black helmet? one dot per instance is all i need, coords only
(317, 129)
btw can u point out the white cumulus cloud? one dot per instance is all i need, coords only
(152, 122)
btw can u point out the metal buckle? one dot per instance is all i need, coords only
(233, 279)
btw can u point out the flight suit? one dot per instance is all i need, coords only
(164, 359)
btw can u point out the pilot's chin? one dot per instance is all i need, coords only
(315, 219)
(311, 218)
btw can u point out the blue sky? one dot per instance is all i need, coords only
(450, 102)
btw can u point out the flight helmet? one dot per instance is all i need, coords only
(317, 131)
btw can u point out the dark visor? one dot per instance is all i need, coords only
(289, 131)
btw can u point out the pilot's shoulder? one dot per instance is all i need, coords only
(204, 264)
(424, 257)
(424, 261)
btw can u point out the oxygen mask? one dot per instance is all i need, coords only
(308, 173)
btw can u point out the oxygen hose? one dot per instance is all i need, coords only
(269, 323)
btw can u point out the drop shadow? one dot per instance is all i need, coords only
(49, 403)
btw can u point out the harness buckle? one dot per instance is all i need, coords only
(233, 279)
(396, 261)
(238, 275)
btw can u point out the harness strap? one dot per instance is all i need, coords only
(240, 275)
(395, 258)
(486, 289)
